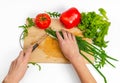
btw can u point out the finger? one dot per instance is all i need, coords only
(64, 34)
(69, 35)
(74, 39)
(28, 53)
(59, 36)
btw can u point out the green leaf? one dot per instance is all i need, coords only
(35, 64)
(54, 14)
(103, 12)
(30, 22)
(26, 26)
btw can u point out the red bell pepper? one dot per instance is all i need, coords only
(70, 18)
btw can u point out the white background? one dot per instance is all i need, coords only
(14, 12)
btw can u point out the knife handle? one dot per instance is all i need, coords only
(35, 46)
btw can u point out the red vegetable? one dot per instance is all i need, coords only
(70, 18)
(42, 21)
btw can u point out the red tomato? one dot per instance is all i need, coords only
(70, 18)
(42, 21)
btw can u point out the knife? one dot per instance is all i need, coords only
(38, 42)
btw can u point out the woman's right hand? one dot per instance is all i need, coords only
(68, 45)
(70, 50)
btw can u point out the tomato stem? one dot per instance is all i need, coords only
(43, 18)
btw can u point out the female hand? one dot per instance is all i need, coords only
(70, 50)
(68, 45)
(18, 67)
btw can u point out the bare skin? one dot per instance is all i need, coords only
(18, 67)
(70, 50)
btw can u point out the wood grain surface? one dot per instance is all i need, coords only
(48, 50)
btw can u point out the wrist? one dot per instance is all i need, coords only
(9, 80)
(78, 58)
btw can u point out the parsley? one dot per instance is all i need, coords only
(26, 26)
(103, 12)
(95, 26)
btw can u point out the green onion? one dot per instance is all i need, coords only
(101, 58)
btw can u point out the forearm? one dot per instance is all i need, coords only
(69, 48)
(82, 70)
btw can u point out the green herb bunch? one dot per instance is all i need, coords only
(95, 26)
(101, 58)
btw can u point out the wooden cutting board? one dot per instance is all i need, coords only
(48, 50)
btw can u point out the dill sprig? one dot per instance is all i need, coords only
(54, 14)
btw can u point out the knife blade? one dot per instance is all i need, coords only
(38, 42)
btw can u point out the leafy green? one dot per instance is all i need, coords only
(54, 14)
(101, 58)
(26, 26)
(95, 26)
(103, 12)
